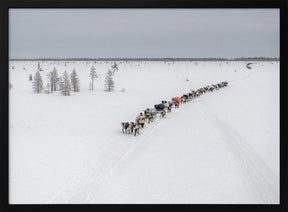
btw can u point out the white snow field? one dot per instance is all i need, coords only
(220, 148)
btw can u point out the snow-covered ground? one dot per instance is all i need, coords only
(221, 148)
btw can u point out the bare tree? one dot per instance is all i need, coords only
(93, 76)
(114, 68)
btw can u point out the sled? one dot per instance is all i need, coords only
(152, 111)
(176, 99)
(159, 107)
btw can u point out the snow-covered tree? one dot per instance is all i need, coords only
(37, 83)
(30, 77)
(75, 81)
(65, 85)
(109, 83)
(93, 76)
(114, 68)
(53, 80)
(48, 86)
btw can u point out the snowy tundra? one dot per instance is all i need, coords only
(220, 148)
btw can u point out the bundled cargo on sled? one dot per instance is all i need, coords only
(159, 107)
(176, 99)
(152, 111)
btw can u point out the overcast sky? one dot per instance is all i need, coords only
(99, 33)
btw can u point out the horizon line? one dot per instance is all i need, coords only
(150, 58)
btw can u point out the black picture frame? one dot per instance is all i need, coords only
(4, 144)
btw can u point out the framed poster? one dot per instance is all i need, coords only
(141, 104)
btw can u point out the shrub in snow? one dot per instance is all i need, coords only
(109, 83)
(37, 83)
(123, 90)
(30, 77)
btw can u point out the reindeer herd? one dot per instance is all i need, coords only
(160, 110)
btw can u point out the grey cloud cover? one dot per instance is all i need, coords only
(94, 33)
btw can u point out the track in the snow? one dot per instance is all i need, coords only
(262, 184)
(87, 184)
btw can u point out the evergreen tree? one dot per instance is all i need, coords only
(30, 77)
(48, 86)
(109, 83)
(53, 80)
(93, 76)
(114, 68)
(75, 81)
(65, 85)
(37, 83)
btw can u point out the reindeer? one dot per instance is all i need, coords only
(130, 127)
(224, 83)
(169, 108)
(149, 117)
(136, 129)
(176, 104)
(124, 126)
(184, 98)
(163, 114)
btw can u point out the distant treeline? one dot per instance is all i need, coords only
(154, 59)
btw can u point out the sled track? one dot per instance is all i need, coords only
(87, 184)
(262, 184)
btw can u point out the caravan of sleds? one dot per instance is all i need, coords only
(160, 110)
